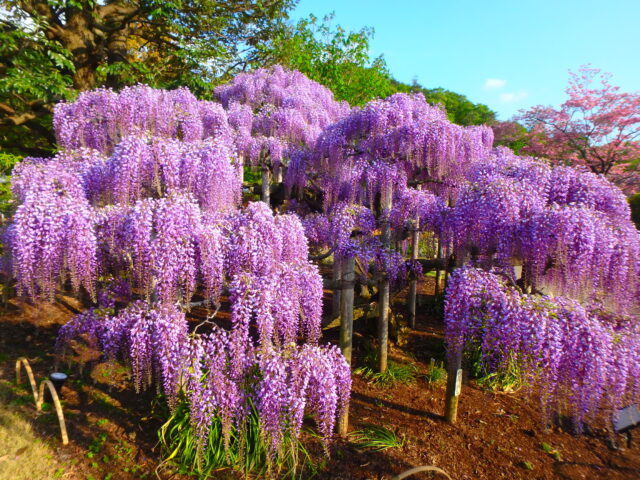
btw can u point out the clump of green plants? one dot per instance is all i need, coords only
(377, 438)
(526, 465)
(247, 451)
(396, 372)
(436, 373)
(508, 379)
(554, 452)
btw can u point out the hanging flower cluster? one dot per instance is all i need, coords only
(571, 230)
(579, 358)
(275, 111)
(99, 119)
(51, 240)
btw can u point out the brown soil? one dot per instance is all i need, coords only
(112, 430)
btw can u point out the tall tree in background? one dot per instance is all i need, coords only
(598, 127)
(51, 48)
(460, 110)
(335, 58)
(342, 62)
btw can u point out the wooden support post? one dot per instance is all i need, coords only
(337, 290)
(346, 324)
(241, 168)
(438, 255)
(383, 284)
(266, 185)
(278, 174)
(454, 384)
(413, 284)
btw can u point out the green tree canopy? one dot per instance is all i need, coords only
(338, 59)
(51, 48)
(342, 62)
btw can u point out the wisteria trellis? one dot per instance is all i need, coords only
(146, 191)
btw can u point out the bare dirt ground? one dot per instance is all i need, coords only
(112, 429)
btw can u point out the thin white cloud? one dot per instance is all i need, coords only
(494, 83)
(509, 97)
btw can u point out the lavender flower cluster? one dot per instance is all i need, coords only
(275, 112)
(570, 229)
(99, 119)
(582, 361)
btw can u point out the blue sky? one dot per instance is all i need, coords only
(507, 54)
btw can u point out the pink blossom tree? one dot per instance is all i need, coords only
(597, 127)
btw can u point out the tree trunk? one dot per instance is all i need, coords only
(79, 38)
(266, 185)
(116, 53)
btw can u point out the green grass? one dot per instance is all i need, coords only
(23, 455)
(436, 373)
(376, 438)
(508, 378)
(396, 372)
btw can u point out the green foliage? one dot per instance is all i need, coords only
(396, 372)
(459, 108)
(634, 203)
(333, 57)
(165, 44)
(510, 378)
(7, 162)
(510, 134)
(436, 373)
(376, 438)
(34, 73)
(247, 453)
(526, 465)
(341, 61)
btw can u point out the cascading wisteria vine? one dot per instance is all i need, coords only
(51, 238)
(99, 119)
(140, 208)
(145, 194)
(583, 362)
(400, 134)
(570, 230)
(275, 111)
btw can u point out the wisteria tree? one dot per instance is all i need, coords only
(140, 210)
(597, 127)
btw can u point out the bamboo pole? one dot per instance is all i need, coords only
(438, 255)
(58, 406)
